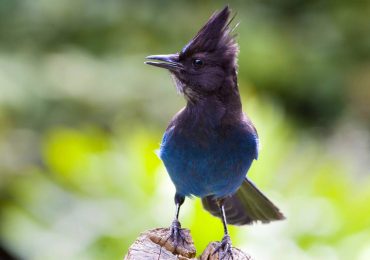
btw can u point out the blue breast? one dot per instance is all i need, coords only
(215, 163)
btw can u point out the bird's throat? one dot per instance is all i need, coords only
(207, 111)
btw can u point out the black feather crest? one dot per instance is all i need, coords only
(214, 36)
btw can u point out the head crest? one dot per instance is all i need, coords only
(214, 36)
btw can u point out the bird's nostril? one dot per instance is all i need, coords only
(168, 61)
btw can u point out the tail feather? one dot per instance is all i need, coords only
(246, 206)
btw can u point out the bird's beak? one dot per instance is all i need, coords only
(170, 61)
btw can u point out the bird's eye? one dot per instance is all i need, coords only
(197, 63)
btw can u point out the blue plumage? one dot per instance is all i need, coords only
(216, 164)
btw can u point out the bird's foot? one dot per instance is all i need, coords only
(177, 235)
(224, 249)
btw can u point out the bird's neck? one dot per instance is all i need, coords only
(215, 109)
(208, 111)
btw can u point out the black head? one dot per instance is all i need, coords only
(207, 64)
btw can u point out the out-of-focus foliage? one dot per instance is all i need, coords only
(81, 117)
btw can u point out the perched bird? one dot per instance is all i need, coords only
(210, 144)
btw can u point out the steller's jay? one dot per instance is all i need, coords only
(210, 144)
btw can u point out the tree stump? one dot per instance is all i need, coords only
(153, 244)
(208, 253)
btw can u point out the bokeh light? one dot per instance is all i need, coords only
(81, 117)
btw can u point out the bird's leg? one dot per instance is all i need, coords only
(224, 249)
(176, 234)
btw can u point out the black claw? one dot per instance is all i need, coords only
(176, 234)
(224, 249)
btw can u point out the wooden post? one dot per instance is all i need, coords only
(153, 244)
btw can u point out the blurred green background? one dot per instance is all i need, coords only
(81, 117)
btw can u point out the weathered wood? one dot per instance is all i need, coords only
(154, 244)
(208, 253)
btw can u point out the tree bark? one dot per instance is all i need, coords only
(154, 244)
